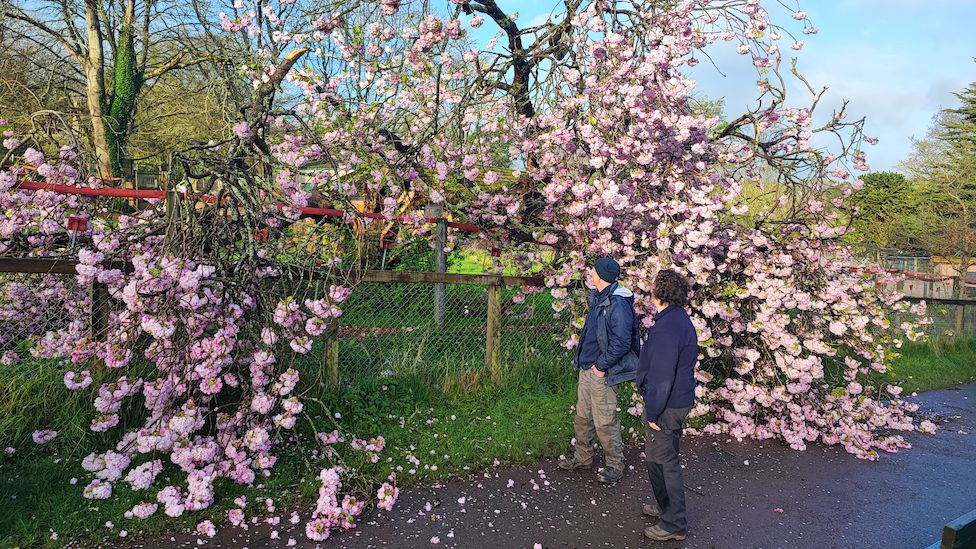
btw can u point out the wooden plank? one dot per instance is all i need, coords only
(332, 355)
(960, 533)
(100, 308)
(41, 265)
(493, 337)
(45, 265)
(37, 265)
(944, 301)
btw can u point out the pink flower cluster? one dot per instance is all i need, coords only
(142, 511)
(44, 436)
(329, 513)
(373, 448)
(83, 381)
(386, 496)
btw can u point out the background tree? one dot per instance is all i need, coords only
(960, 130)
(165, 120)
(116, 50)
(942, 218)
(941, 215)
(885, 198)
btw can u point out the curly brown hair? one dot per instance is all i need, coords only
(671, 287)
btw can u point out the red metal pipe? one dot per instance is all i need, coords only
(88, 191)
(148, 194)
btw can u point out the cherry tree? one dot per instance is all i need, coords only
(593, 113)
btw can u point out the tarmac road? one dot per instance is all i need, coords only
(741, 495)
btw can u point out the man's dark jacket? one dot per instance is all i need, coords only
(613, 322)
(666, 374)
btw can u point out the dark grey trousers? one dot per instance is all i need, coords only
(664, 468)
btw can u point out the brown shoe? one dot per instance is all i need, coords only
(651, 510)
(660, 534)
(570, 464)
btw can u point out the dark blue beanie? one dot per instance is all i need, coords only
(607, 269)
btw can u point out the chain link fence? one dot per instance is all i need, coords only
(41, 314)
(392, 329)
(949, 318)
(387, 328)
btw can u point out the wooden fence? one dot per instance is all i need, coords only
(492, 282)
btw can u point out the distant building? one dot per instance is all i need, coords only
(930, 276)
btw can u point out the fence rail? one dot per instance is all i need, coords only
(43, 265)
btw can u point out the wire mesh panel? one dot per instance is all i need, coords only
(950, 319)
(391, 329)
(531, 332)
(41, 315)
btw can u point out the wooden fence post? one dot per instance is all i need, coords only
(98, 323)
(332, 355)
(960, 319)
(173, 213)
(493, 339)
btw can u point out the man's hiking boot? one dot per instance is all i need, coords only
(570, 464)
(660, 534)
(610, 476)
(651, 510)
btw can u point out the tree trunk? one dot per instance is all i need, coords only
(94, 67)
(125, 91)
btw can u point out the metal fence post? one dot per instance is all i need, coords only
(493, 339)
(440, 266)
(331, 352)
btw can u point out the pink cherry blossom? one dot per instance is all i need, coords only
(44, 436)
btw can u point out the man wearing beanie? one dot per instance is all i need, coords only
(606, 356)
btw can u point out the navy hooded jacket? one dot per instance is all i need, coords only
(612, 326)
(666, 374)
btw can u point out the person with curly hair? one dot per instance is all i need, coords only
(666, 381)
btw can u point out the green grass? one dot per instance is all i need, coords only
(475, 260)
(458, 427)
(469, 261)
(448, 416)
(935, 364)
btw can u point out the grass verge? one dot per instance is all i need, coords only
(451, 428)
(935, 364)
(454, 432)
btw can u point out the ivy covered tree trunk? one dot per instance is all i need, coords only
(83, 30)
(125, 91)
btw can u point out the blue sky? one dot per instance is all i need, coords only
(896, 61)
